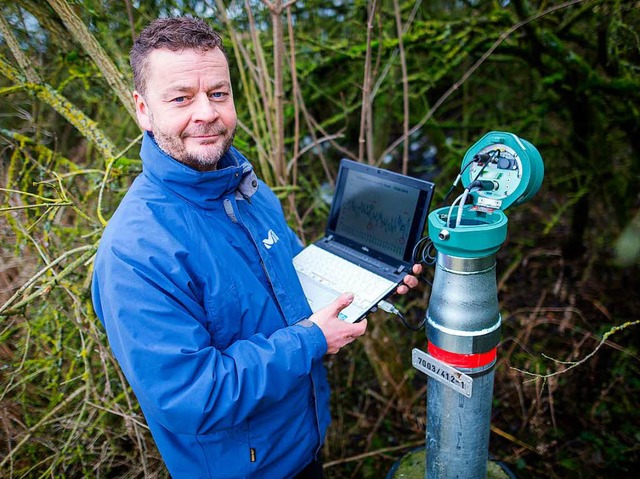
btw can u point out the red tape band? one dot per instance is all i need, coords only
(463, 360)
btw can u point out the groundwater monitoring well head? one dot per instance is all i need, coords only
(498, 171)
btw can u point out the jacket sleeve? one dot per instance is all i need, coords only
(156, 329)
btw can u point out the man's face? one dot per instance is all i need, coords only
(188, 105)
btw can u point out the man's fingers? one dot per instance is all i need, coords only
(341, 302)
(351, 332)
(359, 328)
(410, 281)
(402, 289)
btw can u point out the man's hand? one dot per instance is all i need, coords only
(338, 333)
(410, 281)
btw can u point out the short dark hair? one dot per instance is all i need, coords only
(176, 33)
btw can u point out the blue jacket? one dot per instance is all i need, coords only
(195, 286)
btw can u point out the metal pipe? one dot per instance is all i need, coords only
(463, 319)
(458, 428)
(463, 328)
(463, 315)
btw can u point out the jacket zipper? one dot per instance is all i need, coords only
(315, 410)
(266, 272)
(238, 220)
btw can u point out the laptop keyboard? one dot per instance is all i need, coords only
(322, 267)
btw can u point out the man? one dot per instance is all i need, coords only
(209, 326)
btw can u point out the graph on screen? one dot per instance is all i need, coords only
(377, 213)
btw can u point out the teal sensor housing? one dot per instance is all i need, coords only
(498, 171)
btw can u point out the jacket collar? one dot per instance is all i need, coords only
(234, 175)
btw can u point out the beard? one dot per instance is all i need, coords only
(207, 155)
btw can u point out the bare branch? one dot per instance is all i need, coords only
(405, 89)
(24, 63)
(365, 139)
(83, 36)
(472, 70)
(575, 364)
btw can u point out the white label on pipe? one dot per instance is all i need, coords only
(442, 372)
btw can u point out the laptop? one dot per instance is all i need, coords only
(377, 217)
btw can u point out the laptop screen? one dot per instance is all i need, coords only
(379, 212)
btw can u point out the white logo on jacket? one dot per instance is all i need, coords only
(270, 240)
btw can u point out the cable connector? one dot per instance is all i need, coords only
(388, 307)
(391, 309)
(485, 185)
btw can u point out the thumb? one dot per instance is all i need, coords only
(341, 302)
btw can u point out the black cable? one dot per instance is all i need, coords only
(421, 254)
(391, 309)
(427, 256)
(446, 197)
(408, 326)
(422, 251)
(491, 155)
(418, 255)
(478, 157)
